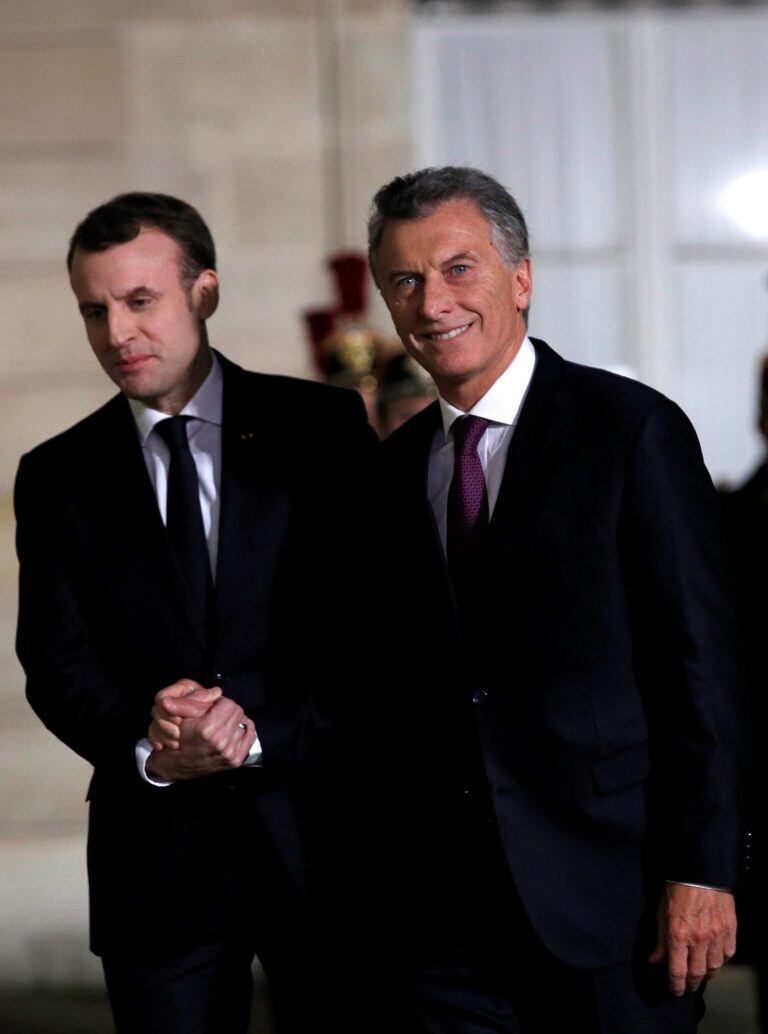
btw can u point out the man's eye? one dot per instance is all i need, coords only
(93, 314)
(459, 268)
(406, 281)
(141, 302)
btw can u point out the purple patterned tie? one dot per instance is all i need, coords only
(467, 507)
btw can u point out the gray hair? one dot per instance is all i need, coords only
(418, 194)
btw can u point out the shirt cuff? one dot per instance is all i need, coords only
(701, 886)
(143, 750)
(255, 755)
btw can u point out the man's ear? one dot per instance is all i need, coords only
(523, 285)
(205, 294)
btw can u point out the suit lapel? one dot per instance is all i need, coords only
(254, 500)
(532, 450)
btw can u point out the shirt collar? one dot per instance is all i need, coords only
(501, 403)
(206, 404)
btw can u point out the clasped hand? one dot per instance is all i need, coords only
(196, 731)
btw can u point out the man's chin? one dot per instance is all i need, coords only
(138, 390)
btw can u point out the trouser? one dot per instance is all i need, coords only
(204, 986)
(478, 966)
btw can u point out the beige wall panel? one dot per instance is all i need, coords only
(240, 108)
(44, 905)
(201, 9)
(7, 554)
(239, 86)
(386, 12)
(247, 93)
(279, 200)
(44, 782)
(63, 95)
(35, 16)
(259, 323)
(43, 200)
(375, 111)
(375, 79)
(376, 160)
(13, 705)
(32, 413)
(43, 334)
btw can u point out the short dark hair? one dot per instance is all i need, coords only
(418, 194)
(123, 218)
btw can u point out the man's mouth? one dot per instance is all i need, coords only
(131, 363)
(446, 335)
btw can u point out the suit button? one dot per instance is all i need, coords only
(479, 696)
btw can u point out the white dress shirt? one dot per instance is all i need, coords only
(500, 405)
(204, 434)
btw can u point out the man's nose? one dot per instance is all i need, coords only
(120, 328)
(436, 298)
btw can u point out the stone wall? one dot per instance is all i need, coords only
(278, 119)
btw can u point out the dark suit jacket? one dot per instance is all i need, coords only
(603, 696)
(103, 625)
(746, 524)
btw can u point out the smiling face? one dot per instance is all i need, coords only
(145, 326)
(457, 306)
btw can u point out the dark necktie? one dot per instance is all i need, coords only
(467, 510)
(184, 518)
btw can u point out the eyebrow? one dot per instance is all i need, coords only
(457, 258)
(448, 262)
(87, 304)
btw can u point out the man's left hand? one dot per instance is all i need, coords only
(697, 934)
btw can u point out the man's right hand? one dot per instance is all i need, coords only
(184, 699)
(216, 741)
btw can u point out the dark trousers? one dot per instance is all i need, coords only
(521, 989)
(205, 988)
(478, 966)
(198, 991)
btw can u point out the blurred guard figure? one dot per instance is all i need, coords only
(161, 556)
(566, 735)
(404, 390)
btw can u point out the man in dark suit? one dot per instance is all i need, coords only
(568, 734)
(195, 538)
(746, 522)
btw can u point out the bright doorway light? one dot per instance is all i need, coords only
(746, 202)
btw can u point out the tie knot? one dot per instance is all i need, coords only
(173, 431)
(467, 432)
